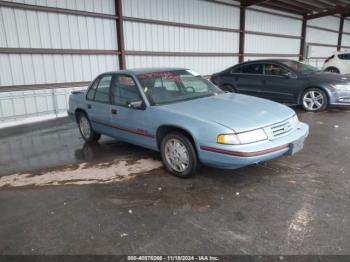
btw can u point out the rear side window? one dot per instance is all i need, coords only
(102, 92)
(256, 69)
(236, 70)
(344, 56)
(91, 93)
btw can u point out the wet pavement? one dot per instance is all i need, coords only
(52, 203)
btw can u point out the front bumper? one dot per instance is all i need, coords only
(233, 157)
(340, 98)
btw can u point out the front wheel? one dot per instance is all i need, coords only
(85, 128)
(314, 100)
(178, 155)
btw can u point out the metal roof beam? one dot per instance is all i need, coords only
(339, 10)
(299, 5)
(284, 8)
(247, 3)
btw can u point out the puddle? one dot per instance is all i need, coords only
(198, 198)
(101, 173)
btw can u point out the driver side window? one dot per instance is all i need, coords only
(275, 70)
(124, 90)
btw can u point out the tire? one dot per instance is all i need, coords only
(332, 70)
(173, 146)
(228, 88)
(314, 100)
(85, 128)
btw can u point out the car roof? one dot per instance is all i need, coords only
(278, 60)
(139, 71)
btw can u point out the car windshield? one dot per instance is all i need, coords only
(175, 86)
(300, 67)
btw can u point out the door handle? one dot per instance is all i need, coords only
(114, 111)
(89, 106)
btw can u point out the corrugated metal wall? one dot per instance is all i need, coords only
(140, 36)
(346, 34)
(321, 38)
(36, 29)
(269, 23)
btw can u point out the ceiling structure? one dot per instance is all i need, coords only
(310, 9)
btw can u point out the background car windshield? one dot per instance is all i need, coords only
(169, 87)
(300, 67)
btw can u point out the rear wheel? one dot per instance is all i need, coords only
(228, 88)
(178, 155)
(314, 100)
(332, 70)
(85, 128)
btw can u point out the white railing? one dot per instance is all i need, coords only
(316, 62)
(30, 106)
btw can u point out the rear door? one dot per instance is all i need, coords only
(98, 105)
(248, 79)
(280, 83)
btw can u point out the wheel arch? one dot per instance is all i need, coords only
(77, 111)
(328, 67)
(163, 130)
(228, 84)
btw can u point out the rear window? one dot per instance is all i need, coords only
(344, 56)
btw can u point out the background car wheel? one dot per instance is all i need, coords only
(178, 155)
(85, 128)
(228, 88)
(332, 70)
(314, 100)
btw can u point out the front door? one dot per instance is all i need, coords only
(280, 83)
(129, 124)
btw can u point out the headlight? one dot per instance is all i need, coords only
(340, 86)
(242, 138)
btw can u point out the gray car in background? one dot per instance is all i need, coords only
(286, 81)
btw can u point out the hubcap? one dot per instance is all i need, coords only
(313, 100)
(84, 127)
(176, 155)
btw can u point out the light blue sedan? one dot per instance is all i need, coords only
(187, 118)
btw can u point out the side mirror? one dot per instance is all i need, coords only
(137, 105)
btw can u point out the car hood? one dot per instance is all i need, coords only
(237, 112)
(328, 77)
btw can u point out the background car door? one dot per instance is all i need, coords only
(129, 124)
(344, 65)
(98, 105)
(280, 83)
(248, 79)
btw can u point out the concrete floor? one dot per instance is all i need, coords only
(292, 205)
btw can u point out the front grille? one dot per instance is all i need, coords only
(280, 129)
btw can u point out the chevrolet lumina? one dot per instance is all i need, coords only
(187, 118)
